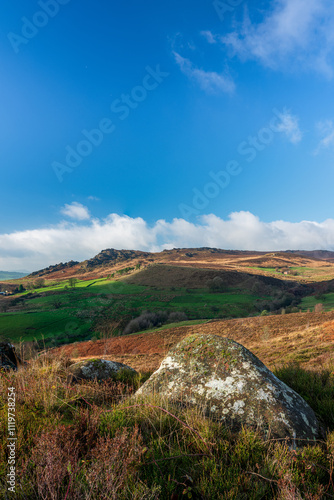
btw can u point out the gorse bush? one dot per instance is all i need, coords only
(148, 320)
(317, 388)
(95, 441)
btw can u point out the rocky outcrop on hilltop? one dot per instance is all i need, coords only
(53, 269)
(112, 257)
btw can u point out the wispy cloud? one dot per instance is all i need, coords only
(290, 126)
(76, 211)
(39, 248)
(293, 31)
(326, 131)
(210, 81)
(209, 36)
(93, 198)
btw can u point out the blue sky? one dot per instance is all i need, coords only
(216, 126)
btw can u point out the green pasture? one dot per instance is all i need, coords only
(268, 269)
(327, 300)
(29, 326)
(62, 314)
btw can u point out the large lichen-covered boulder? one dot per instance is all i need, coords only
(227, 382)
(9, 359)
(99, 369)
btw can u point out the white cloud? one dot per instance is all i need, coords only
(290, 126)
(209, 36)
(76, 211)
(35, 249)
(210, 81)
(326, 131)
(294, 33)
(93, 198)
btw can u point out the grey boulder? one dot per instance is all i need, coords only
(228, 383)
(98, 369)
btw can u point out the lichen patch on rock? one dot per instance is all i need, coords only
(227, 382)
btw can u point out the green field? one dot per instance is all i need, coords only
(268, 269)
(28, 326)
(59, 314)
(327, 301)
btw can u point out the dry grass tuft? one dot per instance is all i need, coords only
(95, 441)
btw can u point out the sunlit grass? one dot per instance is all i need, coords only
(92, 440)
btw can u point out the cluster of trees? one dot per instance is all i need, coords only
(125, 270)
(286, 301)
(217, 285)
(72, 282)
(31, 285)
(40, 283)
(148, 320)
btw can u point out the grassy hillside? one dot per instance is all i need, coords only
(62, 312)
(301, 267)
(178, 276)
(326, 300)
(59, 314)
(306, 338)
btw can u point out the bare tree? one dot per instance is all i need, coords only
(72, 282)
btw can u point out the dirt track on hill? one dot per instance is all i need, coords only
(304, 337)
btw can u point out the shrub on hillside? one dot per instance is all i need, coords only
(39, 283)
(217, 284)
(317, 388)
(281, 300)
(318, 308)
(148, 320)
(16, 301)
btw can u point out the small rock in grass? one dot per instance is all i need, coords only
(9, 359)
(99, 369)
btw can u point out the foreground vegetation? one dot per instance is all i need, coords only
(92, 441)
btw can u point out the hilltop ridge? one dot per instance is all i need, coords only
(303, 266)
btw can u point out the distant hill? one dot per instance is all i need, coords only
(193, 277)
(315, 254)
(8, 275)
(302, 266)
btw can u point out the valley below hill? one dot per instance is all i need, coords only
(132, 305)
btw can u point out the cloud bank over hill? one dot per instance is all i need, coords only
(37, 248)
